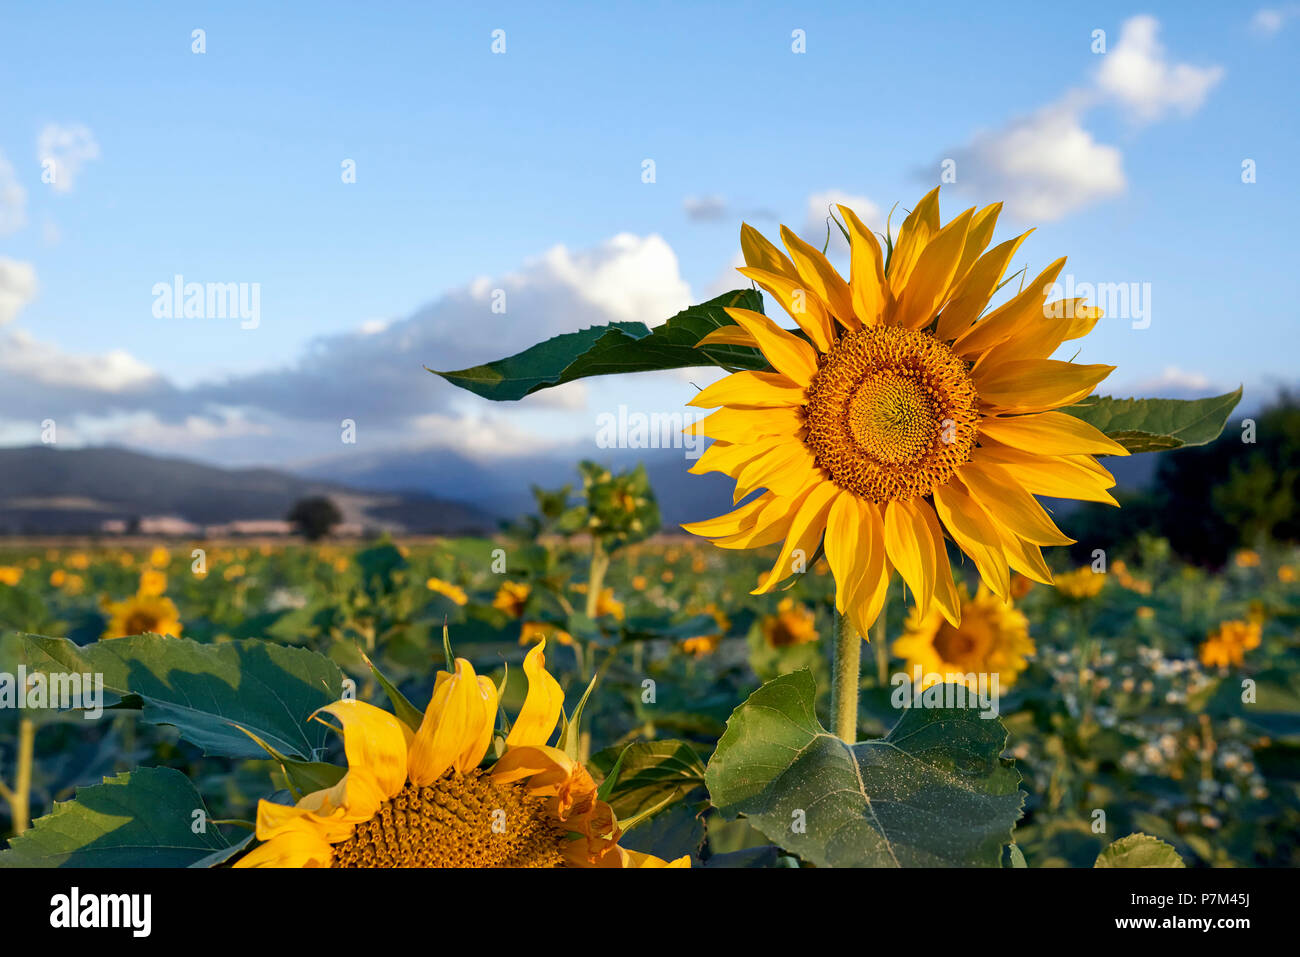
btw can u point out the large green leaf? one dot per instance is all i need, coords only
(206, 691)
(144, 818)
(615, 348)
(1156, 425)
(933, 792)
(1139, 850)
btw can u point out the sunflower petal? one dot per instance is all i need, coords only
(1008, 504)
(867, 270)
(843, 546)
(975, 535)
(1006, 320)
(762, 254)
(806, 530)
(804, 308)
(753, 390)
(452, 726)
(972, 294)
(1036, 385)
(819, 276)
(928, 286)
(908, 552)
(945, 589)
(913, 236)
(789, 354)
(1050, 433)
(542, 706)
(373, 741)
(729, 335)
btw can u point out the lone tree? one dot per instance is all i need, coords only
(314, 517)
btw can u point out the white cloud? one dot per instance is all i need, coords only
(40, 363)
(374, 376)
(68, 149)
(1137, 75)
(17, 287)
(1270, 20)
(1044, 166)
(13, 199)
(1174, 382)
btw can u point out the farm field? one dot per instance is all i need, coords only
(1154, 697)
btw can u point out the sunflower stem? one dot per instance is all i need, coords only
(846, 669)
(20, 802)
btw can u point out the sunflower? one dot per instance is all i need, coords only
(992, 638)
(706, 644)
(453, 592)
(1228, 644)
(152, 582)
(1080, 584)
(791, 625)
(142, 613)
(416, 797)
(896, 416)
(511, 598)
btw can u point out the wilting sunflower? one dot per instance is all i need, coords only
(416, 797)
(142, 613)
(992, 638)
(898, 413)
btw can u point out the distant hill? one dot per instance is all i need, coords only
(49, 490)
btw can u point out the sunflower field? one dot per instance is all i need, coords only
(869, 661)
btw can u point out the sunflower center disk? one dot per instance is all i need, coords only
(458, 821)
(891, 413)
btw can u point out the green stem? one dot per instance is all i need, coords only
(846, 666)
(20, 801)
(596, 577)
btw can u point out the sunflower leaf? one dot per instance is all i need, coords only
(213, 694)
(615, 348)
(143, 818)
(932, 792)
(1139, 850)
(1157, 425)
(647, 776)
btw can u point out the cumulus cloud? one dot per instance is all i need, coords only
(374, 376)
(13, 199)
(17, 287)
(1047, 164)
(1137, 75)
(67, 149)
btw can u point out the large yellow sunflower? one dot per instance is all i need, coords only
(416, 797)
(992, 638)
(897, 415)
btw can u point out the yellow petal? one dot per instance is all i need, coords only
(928, 286)
(297, 848)
(806, 530)
(867, 270)
(844, 550)
(727, 458)
(945, 589)
(872, 584)
(1006, 320)
(1054, 476)
(975, 535)
(785, 469)
(972, 294)
(819, 276)
(804, 307)
(903, 545)
(730, 523)
(1008, 504)
(913, 236)
(542, 706)
(772, 524)
(373, 741)
(452, 726)
(977, 240)
(789, 354)
(760, 253)
(742, 426)
(1036, 385)
(754, 390)
(1050, 433)
(729, 335)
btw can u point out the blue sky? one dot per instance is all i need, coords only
(225, 166)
